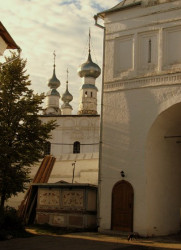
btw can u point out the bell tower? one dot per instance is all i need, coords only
(66, 98)
(53, 96)
(88, 71)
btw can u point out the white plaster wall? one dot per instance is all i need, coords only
(89, 80)
(84, 129)
(3, 46)
(66, 111)
(128, 32)
(71, 128)
(88, 102)
(52, 101)
(133, 98)
(124, 140)
(86, 171)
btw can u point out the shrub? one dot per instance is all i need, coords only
(10, 224)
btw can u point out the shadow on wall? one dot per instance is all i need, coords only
(163, 165)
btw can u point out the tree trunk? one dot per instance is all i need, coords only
(2, 200)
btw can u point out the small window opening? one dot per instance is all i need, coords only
(85, 93)
(76, 147)
(91, 94)
(149, 50)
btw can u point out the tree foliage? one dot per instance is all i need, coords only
(22, 134)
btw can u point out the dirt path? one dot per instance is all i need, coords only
(87, 241)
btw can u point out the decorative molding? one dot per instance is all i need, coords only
(172, 38)
(73, 199)
(49, 197)
(123, 48)
(81, 156)
(58, 219)
(111, 35)
(146, 82)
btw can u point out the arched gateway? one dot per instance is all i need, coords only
(163, 164)
(122, 206)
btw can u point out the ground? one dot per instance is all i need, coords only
(89, 241)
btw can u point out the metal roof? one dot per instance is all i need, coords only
(120, 6)
(89, 86)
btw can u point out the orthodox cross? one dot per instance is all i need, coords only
(67, 74)
(89, 39)
(54, 55)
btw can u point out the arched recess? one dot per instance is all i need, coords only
(163, 172)
(122, 206)
(76, 147)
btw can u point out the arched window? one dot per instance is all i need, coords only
(86, 94)
(76, 149)
(47, 148)
(91, 94)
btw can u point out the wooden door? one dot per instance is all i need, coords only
(122, 207)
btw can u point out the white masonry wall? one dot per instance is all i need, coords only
(71, 128)
(140, 84)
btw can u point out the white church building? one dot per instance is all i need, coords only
(75, 141)
(140, 170)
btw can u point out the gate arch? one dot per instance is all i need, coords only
(122, 206)
(163, 161)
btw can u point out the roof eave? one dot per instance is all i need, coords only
(103, 13)
(7, 38)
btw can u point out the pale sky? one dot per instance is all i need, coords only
(41, 26)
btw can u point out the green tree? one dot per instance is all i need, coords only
(22, 134)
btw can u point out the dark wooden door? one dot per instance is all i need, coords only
(122, 207)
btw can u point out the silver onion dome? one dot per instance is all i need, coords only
(67, 97)
(53, 92)
(53, 83)
(89, 68)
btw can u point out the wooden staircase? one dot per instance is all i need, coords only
(27, 209)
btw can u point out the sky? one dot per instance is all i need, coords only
(41, 27)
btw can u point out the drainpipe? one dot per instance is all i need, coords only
(101, 126)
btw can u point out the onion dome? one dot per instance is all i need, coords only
(89, 68)
(67, 97)
(53, 92)
(54, 83)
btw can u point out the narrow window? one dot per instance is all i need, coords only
(85, 93)
(76, 148)
(149, 51)
(91, 94)
(47, 148)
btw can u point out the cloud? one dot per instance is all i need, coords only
(40, 27)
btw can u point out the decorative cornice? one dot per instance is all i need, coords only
(87, 112)
(146, 82)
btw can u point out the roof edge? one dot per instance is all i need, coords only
(7, 38)
(114, 9)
